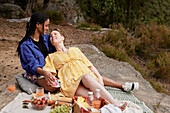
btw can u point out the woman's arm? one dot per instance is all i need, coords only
(32, 64)
(28, 60)
(95, 71)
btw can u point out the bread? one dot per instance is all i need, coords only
(59, 98)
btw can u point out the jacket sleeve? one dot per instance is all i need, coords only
(28, 60)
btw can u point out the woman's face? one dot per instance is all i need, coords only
(40, 27)
(56, 37)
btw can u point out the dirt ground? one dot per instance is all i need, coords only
(12, 33)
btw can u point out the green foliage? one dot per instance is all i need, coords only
(127, 12)
(105, 12)
(148, 47)
(55, 17)
(88, 26)
(157, 10)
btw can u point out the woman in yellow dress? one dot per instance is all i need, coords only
(76, 73)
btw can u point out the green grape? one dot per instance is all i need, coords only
(61, 109)
(51, 111)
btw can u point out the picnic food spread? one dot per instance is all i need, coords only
(60, 104)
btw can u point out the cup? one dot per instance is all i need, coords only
(11, 88)
(39, 91)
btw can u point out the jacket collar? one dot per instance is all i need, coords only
(30, 42)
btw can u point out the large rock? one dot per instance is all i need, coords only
(68, 8)
(11, 11)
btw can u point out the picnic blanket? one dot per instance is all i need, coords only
(15, 106)
(124, 96)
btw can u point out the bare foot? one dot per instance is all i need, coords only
(123, 106)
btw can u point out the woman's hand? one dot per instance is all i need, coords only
(94, 70)
(101, 81)
(49, 78)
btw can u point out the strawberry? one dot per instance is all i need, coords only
(32, 102)
(43, 105)
(36, 105)
(43, 98)
(40, 106)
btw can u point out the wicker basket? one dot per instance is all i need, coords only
(77, 109)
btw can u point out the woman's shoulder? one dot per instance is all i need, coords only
(26, 42)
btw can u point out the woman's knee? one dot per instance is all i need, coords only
(87, 77)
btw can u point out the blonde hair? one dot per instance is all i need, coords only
(56, 29)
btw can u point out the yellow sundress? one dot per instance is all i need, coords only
(71, 66)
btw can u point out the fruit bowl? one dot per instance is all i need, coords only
(38, 107)
(39, 104)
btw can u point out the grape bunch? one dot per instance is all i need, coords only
(61, 109)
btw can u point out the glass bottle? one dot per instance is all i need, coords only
(90, 98)
(97, 94)
(97, 100)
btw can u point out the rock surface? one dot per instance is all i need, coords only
(10, 11)
(68, 8)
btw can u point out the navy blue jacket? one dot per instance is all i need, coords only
(30, 55)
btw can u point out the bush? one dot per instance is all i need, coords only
(147, 50)
(153, 39)
(116, 53)
(88, 26)
(55, 17)
(127, 12)
(162, 66)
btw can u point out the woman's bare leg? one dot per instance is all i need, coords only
(81, 91)
(112, 83)
(43, 84)
(90, 83)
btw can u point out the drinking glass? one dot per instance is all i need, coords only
(39, 91)
(11, 88)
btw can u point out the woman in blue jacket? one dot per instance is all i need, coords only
(33, 49)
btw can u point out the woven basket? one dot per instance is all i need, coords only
(77, 109)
